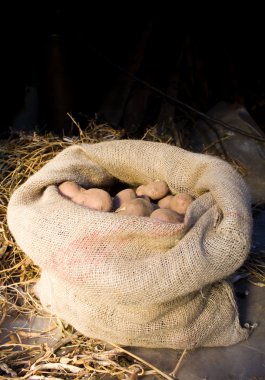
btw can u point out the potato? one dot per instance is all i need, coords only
(154, 190)
(94, 198)
(122, 197)
(180, 202)
(165, 202)
(69, 189)
(137, 207)
(166, 215)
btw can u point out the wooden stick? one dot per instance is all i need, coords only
(175, 370)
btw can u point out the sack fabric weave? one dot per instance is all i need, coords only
(134, 280)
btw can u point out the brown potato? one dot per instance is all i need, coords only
(180, 202)
(154, 190)
(69, 189)
(122, 197)
(95, 199)
(167, 215)
(137, 207)
(165, 202)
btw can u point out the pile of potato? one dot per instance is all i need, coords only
(153, 200)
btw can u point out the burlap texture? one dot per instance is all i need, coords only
(133, 280)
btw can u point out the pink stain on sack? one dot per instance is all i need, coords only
(79, 255)
(235, 215)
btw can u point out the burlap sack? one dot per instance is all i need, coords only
(133, 280)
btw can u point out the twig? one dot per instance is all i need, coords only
(143, 361)
(64, 341)
(215, 142)
(175, 370)
(42, 377)
(57, 366)
(81, 133)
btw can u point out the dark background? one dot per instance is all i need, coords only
(70, 53)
